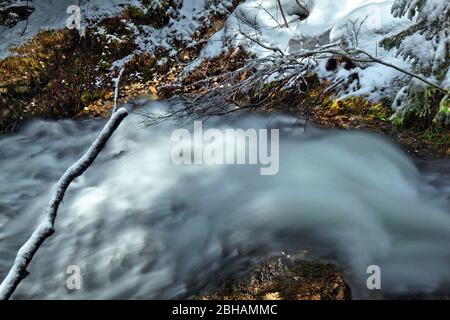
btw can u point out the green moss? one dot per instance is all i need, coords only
(444, 106)
(443, 115)
(422, 111)
(398, 120)
(155, 13)
(443, 69)
(436, 138)
(360, 106)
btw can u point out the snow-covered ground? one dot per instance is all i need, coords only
(189, 19)
(327, 21)
(52, 14)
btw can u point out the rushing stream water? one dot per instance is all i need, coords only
(139, 226)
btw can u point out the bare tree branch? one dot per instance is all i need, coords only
(307, 13)
(230, 91)
(282, 13)
(379, 61)
(26, 24)
(260, 43)
(257, 41)
(356, 29)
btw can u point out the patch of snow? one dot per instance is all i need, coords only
(51, 15)
(328, 22)
(190, 18)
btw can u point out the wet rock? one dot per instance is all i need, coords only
(288, 279)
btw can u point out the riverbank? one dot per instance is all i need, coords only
(44, 86)
(64, 73)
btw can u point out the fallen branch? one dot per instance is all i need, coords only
(229, 90)
(350, 53)
(45, 229)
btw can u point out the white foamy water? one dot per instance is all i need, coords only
(141, 227)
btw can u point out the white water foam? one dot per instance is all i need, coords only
(141, 227)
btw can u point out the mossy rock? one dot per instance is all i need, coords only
(443, 115)
(426, 108)
(281, 279)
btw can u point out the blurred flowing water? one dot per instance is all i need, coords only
(139, 226)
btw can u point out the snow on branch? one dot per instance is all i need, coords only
(45, 229)
(116, 88)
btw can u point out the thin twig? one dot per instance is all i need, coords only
(377, 60)
(26, 24)
(261, 44)
(282, 13)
